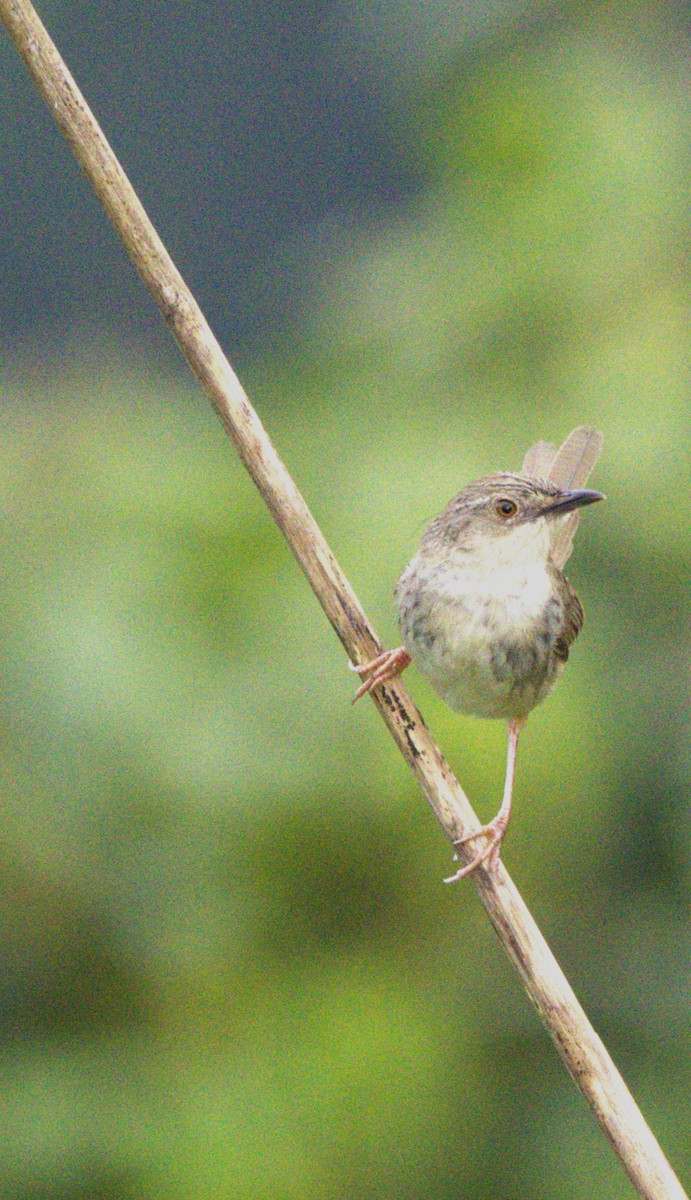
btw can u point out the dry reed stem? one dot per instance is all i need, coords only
(580, 1047)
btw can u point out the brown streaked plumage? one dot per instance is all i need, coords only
(484, 608)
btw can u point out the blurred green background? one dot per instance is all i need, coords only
(228, 965)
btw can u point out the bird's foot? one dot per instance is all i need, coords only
(381, 669)
(494, 833)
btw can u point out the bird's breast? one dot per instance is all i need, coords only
(483, 634)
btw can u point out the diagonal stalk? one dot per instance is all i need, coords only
(580, 1047)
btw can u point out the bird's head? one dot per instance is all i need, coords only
(493, 510)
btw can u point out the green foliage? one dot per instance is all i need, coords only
(229, 967)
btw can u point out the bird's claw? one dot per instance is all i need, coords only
(494, 832)
(381, 669)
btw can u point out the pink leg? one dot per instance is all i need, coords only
(385, 666)
(494, 832)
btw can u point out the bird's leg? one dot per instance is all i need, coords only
(494, 832)
(385, 666)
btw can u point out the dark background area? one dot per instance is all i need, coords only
(249, 128)
(426, 235)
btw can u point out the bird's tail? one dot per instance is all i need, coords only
(567, 467)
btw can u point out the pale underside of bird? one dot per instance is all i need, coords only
(484, 608)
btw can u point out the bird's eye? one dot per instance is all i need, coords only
(506, 508)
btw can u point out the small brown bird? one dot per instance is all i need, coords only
(484, 608)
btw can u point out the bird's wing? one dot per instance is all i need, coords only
(570, 468)
(572, 621)
(538, 460)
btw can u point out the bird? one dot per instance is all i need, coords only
(484, 608)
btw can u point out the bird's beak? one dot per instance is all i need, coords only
(567, 500)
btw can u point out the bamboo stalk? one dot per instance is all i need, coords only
(579, 1046)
